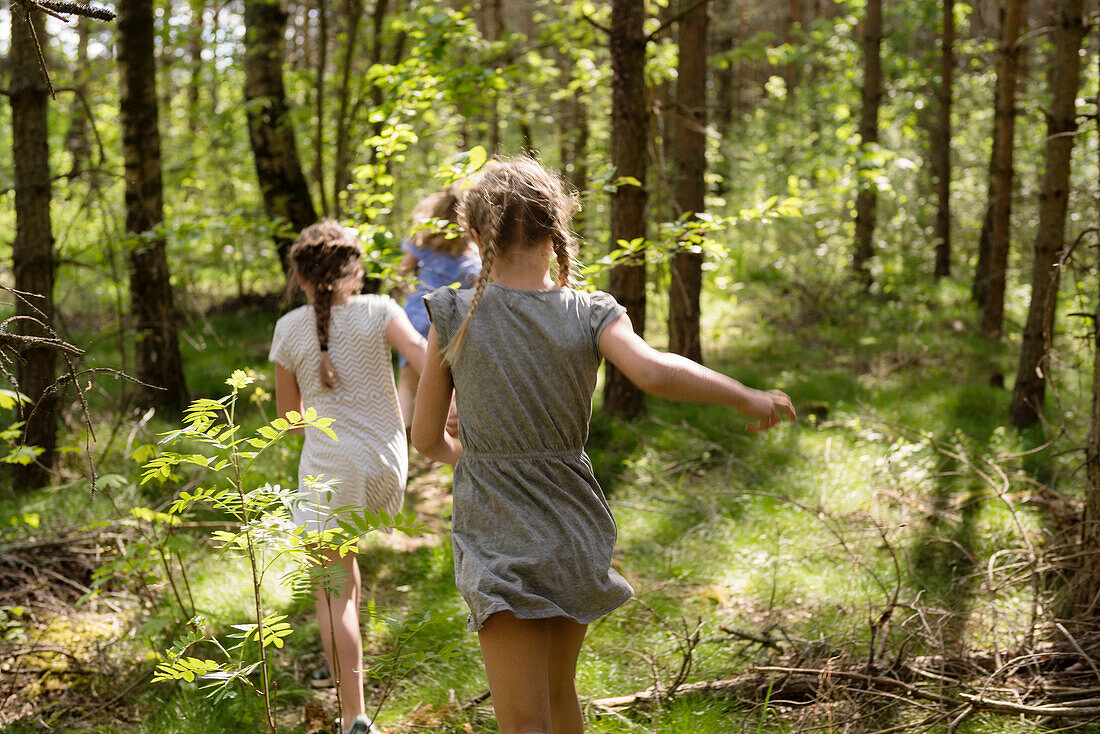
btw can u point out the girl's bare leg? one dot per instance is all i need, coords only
(530, 664)
(564, 642)
(407, 380)
(344, 630)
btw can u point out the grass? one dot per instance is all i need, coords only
(806, 534)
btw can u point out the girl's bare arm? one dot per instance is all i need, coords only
(433, 402)
(672, 376)
(402, 336)
(288, 396)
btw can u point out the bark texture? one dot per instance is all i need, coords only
(941, 148)
(1065, 74)
(32, 252)
(1084, 601)
(157, 360)
(285, 191)
(629, 135)
(867, 198)
(686, 269)
(988, 290)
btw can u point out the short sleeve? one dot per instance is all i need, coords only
(442, 306)
(603, 310)
(390, 309)
(279, 353)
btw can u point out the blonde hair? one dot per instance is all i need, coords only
(327, 256)
(511, 204)
(440, 207)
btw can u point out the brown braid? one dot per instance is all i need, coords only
(516, 203)
(328, 257)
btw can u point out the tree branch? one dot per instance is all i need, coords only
(60, 9)
(63, 7)
(675, 19)
(595, 24)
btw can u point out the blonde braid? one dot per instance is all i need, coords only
(489, 248)
(563, 251)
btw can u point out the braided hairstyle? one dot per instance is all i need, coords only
(326, 256)
(513, 204)
(438, 208)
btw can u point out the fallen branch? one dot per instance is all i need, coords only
(750, 684)
(804, 684)
(1066, 708)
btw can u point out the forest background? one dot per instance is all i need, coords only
(888, 210)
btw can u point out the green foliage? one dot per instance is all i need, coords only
(260, 531)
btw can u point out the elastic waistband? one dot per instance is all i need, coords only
(563, 454)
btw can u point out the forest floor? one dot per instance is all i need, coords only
(892, 562)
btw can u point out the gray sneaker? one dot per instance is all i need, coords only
(362, 725)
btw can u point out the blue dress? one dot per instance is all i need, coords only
(435, 269)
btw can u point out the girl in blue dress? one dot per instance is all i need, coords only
(439, 254)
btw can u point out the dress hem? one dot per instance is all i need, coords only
(473, 625)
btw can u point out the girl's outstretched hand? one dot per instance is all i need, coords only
(769, 408)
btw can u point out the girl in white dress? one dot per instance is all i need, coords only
(334, 355)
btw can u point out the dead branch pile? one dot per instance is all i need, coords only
(1052, 684)
(56, 629)
(46, 576)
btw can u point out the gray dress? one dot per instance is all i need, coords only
(532, 530)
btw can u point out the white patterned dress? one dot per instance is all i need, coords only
(369, 462)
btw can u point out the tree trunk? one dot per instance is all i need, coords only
(157, 359)
(341, 174)
(285, 191)
(494, 31)
(724, 90)
(629, 134)
(686, 270)
(796, 25)
(319, 110)
(1084, 597)
(866, 198)
(32, 252)
(941, 146)
(989, 278)
(76, 137)
(194, 53)
(1065, 74)
(573, 133)
(580, 157)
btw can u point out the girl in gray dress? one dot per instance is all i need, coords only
(532, 531)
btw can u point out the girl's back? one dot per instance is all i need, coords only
(371, 450)
(524, 379)
(532, 531)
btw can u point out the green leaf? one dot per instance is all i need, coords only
(22, 455)
(9, 399)
(478, 157)
(239, 380)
